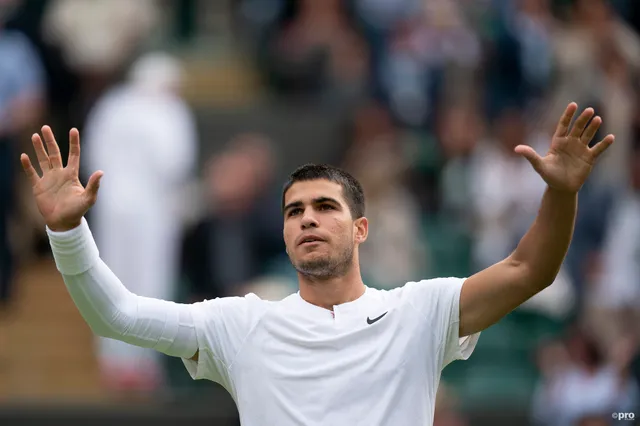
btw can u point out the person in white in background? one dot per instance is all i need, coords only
(143, 134)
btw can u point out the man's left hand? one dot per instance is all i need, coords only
(570, 159)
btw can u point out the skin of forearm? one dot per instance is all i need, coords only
(543, 248)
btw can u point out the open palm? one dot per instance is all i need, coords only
(59, 195)
(569, 161)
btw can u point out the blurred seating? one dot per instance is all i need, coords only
(503, 370)
(49, 352)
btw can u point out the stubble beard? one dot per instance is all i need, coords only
(327, 267)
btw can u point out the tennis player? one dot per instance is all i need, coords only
(336, 352)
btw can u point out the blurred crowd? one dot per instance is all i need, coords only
(435, 94)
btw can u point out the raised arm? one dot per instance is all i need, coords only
(110, 309)
(490, 294)
(103, 301)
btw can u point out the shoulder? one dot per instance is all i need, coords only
(418, 293)
(242, 311)
(431, 286)
(427, 294)
(249, 301)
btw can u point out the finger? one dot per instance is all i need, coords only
(74, 150)
(31, 173)
(91, 191)
(565, 120)
(531, 156)
(55, 159)
(581, 123)
(43, 158)
(591, 130)
(602, 146)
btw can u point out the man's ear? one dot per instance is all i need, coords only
(362, 229)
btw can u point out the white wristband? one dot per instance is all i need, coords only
(75, 250)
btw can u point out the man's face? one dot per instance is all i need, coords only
(319, 231)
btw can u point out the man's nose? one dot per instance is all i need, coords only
(308, 221)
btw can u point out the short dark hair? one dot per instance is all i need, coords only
(351, 188)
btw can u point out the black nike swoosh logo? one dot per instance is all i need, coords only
(371, 321)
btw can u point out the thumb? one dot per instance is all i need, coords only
(91, 191)
(531, 156)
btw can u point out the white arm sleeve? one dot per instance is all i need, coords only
(113, 311)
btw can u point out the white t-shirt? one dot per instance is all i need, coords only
(374, 361)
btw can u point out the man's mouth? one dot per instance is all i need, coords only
(310, 240)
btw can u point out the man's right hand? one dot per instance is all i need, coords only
(61, 198)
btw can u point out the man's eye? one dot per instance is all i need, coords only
(326, 207)
(294, 212)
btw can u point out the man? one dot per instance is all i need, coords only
(336, 352)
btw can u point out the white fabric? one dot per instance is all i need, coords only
(144, 138)
(292, 363)
(288, 362)
(146, 143)
(109, 308)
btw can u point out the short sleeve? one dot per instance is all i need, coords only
(222, 325)
(438, 300)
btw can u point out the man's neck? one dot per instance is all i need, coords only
(334, 291)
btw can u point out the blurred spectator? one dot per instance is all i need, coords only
(22, 96)
(618, 109)
(394, 252)
(459, 127)
(505, 198)
(506, 191)
(595, 54)
(431, 54)
(240, 235)
(614, 305)
(616, 102)
(580, 381)
(520, 53)
(378, 21)
(316, 49)
(99, 39)
(143, 136)
(582, 261)
(505, 194)
(533, 24)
